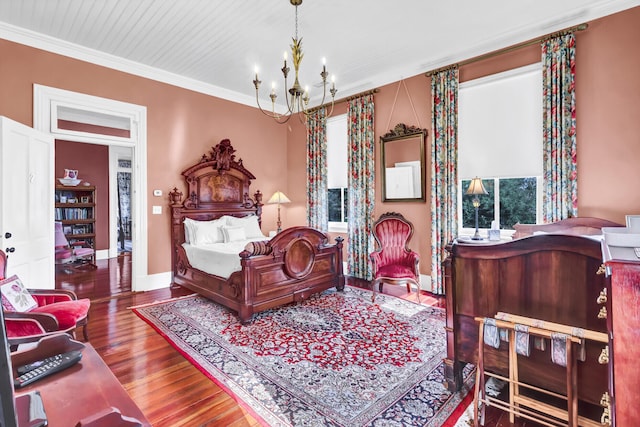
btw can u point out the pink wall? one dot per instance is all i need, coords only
(608, 116)
(183, 125)
(92, 163)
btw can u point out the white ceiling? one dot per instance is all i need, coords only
(213, 46)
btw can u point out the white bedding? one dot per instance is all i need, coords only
(220, 259)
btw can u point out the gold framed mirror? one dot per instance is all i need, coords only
(403, 164)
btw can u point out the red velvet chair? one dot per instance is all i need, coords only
(57, 311)
(393, 262)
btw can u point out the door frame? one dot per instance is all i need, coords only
(116, 153)
(49, 101)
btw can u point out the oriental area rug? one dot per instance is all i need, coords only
(336, 359)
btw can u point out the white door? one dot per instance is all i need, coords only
(26, 203)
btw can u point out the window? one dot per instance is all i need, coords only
(500, 140)
(337, 172)
(514, 198)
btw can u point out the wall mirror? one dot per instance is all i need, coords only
(403, 164)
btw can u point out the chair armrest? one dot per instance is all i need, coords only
(414, 259)
(48, 321)
(375, 260)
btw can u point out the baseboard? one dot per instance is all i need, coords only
(151, 282)
(425, 283)
(102, 254)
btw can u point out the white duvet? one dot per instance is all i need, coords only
(220, 259)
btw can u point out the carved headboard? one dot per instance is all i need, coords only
(217, 185)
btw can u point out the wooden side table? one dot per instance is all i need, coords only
(81, 393)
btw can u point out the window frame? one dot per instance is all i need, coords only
(506, 233)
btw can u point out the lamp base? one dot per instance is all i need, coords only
(476, 204)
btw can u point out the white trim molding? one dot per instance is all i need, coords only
(47, 102)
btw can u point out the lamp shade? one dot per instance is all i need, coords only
(278, 197)
(476, 187)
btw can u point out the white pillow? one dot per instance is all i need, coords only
(190, 227)
(187, 230)
(233, 233)
(206, 232)
(250, 224)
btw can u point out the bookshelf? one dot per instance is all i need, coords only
(75, 207)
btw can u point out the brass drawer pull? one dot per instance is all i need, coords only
(605, 419)
(602, 298)
(602, 269)
(603, 359)
(605, 402)
(602, 314)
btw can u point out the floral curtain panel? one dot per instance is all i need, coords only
(444, 170)
(560, 191)
(361, 186)
(317, 204)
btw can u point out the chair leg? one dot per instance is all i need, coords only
(84, 323)
(373, 290)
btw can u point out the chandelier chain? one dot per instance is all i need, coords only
(296, 22)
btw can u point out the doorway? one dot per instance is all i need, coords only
(118, 125)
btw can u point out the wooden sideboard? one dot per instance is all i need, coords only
(551, 276)
(623, 321)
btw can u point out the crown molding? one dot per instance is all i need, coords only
(75, 51)
(72, 50)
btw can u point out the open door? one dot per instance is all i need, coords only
(27, 203)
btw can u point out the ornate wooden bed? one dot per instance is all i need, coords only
(552, 277)
(291, 266)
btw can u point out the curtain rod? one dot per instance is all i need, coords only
(346, 99)
(580, 27)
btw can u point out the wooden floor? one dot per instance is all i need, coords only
(168, 389)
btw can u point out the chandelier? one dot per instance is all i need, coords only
(297, 98)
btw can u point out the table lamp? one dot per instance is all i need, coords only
(476, 189)
(279, 197)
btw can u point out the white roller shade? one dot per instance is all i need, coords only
(500, 125)
(337, 151)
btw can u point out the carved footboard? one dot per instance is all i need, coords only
(299, 262)
(294, 265)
